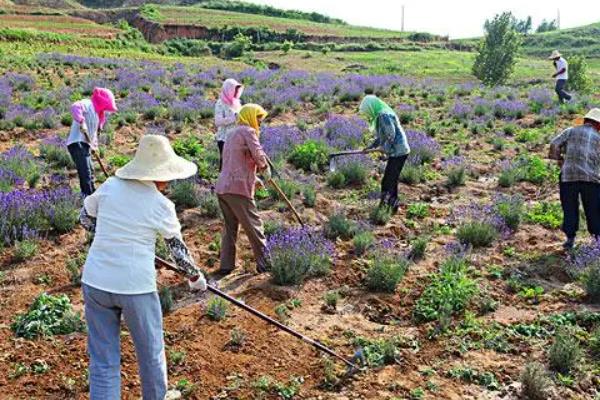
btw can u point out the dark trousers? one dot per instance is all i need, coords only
(560, 90)
(389, 183)
(220, 145)
(569, 200)
(82, 157)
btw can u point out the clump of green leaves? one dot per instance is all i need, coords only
(547, 214)
(418, 210)
(165, 295)
(565, 352)
(412, 174)
(591, 282)
(74, 265)
(217, 308)
(386, 270)
(209, 205)
(450, 288)
(511, 209)
(418, 248)
(310, 156)
(25, 249)
(477, 233)
(380, 352)
(48, 315)
(309, 196)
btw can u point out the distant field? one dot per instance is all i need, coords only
(217, 18)
(58, 24)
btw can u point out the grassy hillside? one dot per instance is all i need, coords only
(217, 18)
(583, 40)
(57, 24)
(53, 4)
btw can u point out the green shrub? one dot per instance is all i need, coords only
(209, 205)
(336, 180)
(497, 50)
(355, 173)
(594, 343)
(74, 265)
(534, 382)
(418, 210)
(591, 282)
(57, 156)
(418, 248)
(579, 78)
(450, 291)
(378, 353)
(309, 156)
(272, 227)
(340, 226)
(477, 233)
(66, 216)
(184, 193)
(456, 176)
(565, 352)
(48, 315)
(547, 214)
(188, 147)
(165, 295)
(217, 308)
(309, 195)
(412, 174)
(25, 249)
(362, 242)
(238, 47)
(381, 215)
(510, 208)
(508, 177)
(385, 272)
(331, 298)
(288, 187)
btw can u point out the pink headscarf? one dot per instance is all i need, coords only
(103, 101)
(229, 95)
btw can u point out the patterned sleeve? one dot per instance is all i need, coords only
(556, 145)
(183, 259)
(87, 221)
(387, 129)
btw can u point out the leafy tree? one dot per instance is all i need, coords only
(497, 50)
(523, 26)
(547, 26)
(579, 79)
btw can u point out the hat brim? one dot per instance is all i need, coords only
(176, 168)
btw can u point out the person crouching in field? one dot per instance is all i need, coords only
(227, 108)
(390, 137)
(242, 157)
(577, 150)
(89, 116)
(127, 213)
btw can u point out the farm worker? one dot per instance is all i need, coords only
(242, 157)
(390, 137)
(561, 75)
(227, 108)
(578, 151)
(89, 116)
(128, 213)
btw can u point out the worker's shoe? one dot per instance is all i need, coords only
(569, 243)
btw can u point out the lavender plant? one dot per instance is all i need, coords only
(296, 254)
(456, 171)
(54, 150)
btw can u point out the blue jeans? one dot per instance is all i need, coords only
(80, 153)
(569, 200)
(560, 90)
(143, 316)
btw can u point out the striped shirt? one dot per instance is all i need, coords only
(580, 149)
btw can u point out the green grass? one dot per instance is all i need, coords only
(217, 18)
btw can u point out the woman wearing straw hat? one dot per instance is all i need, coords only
(127, 213)
(578, 151)
(242, 157)
(561, 75)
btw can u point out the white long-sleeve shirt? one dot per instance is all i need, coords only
(225, 119)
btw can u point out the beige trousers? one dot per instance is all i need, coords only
(239, 210)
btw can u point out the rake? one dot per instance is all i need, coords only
(334, 156)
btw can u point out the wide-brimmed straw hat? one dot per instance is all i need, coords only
(593, 114)
(555, 54)
(156, 161)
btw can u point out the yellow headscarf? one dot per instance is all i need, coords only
(249, 115)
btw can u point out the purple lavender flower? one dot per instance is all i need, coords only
(584, 257)
(461, 110)
(509, 109)
(345, 133)
(423, 148)
(278, 141)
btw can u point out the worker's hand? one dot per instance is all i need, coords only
(259, 184)
(266, 173)
(83, 127)
(197, 283)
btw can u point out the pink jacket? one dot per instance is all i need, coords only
(242, 155)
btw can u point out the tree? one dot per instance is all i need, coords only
(497, 50)
(523, 26)
(579, 79)
(547, 26)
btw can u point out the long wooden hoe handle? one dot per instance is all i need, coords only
(96, 155)
(256, 313)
